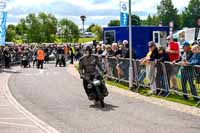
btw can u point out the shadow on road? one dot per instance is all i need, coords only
(108, 107)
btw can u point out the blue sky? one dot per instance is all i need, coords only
(97, 11)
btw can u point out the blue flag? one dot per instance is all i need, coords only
(3, 18)
(124, 14)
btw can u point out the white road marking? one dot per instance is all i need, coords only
(18, 125)
(13, 118)
(39, 123)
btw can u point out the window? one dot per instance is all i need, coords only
(109, 37)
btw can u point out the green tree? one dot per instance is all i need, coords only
(89, 29)
(33, 28)
(48, 28)
(98, 32)
(10, 33)
(68, 30)
(191, 13)
(136, 20)
(167, 12)
(114, 23)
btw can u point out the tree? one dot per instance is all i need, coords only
(98, 32)
(114, 23)
(167, 12)
(68, 30)
(33, 28)
(48, 27)
(89, 29)
(136, 20)
(10, 33)
(43, 28)
(191, 13)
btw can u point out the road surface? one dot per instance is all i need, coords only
(56, 97)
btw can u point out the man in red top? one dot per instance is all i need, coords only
(173, 49)
(174, 55)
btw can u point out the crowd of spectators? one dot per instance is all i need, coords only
(115, 59)
(13, 54)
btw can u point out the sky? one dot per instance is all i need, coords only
(97, 11)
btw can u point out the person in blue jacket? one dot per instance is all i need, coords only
(187, 72)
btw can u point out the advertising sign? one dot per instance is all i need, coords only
(124, 13)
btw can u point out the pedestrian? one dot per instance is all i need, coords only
(40, 57)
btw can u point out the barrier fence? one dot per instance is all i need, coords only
(15, 59)
(165, 77)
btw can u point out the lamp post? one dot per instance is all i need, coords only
(83, 17)
(130, 50)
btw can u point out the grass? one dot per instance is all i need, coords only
(84, 40)
(117, 85)
(145, 92)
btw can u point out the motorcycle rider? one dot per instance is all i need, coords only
(25, 57)
(88, 69)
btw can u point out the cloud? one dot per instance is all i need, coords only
(97, 11)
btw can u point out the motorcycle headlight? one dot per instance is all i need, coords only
(97, 82)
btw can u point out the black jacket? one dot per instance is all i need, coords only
(155, 55)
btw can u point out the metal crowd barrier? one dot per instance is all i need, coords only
(15, 59)
(166, 77)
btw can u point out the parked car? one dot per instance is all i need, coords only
(88, 35)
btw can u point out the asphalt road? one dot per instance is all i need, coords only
(56, 97)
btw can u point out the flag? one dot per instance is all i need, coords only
(3, 18)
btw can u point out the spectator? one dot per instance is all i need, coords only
(114, 49)
(152, 56)
(71, 51)
(187, 72)
(7, 57)
(173, 51)
(160, 77)
(99, 50)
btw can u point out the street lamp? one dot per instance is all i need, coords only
(83, 17)
(130, 49)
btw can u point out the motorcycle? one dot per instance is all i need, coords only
(60, 60)
(25, 62)
(95, 85)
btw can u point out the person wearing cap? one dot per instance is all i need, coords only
(187, 52)
(150, 72)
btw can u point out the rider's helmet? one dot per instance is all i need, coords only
(88, 50)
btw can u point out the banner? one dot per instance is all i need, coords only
(124, 13)
(3, 18)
